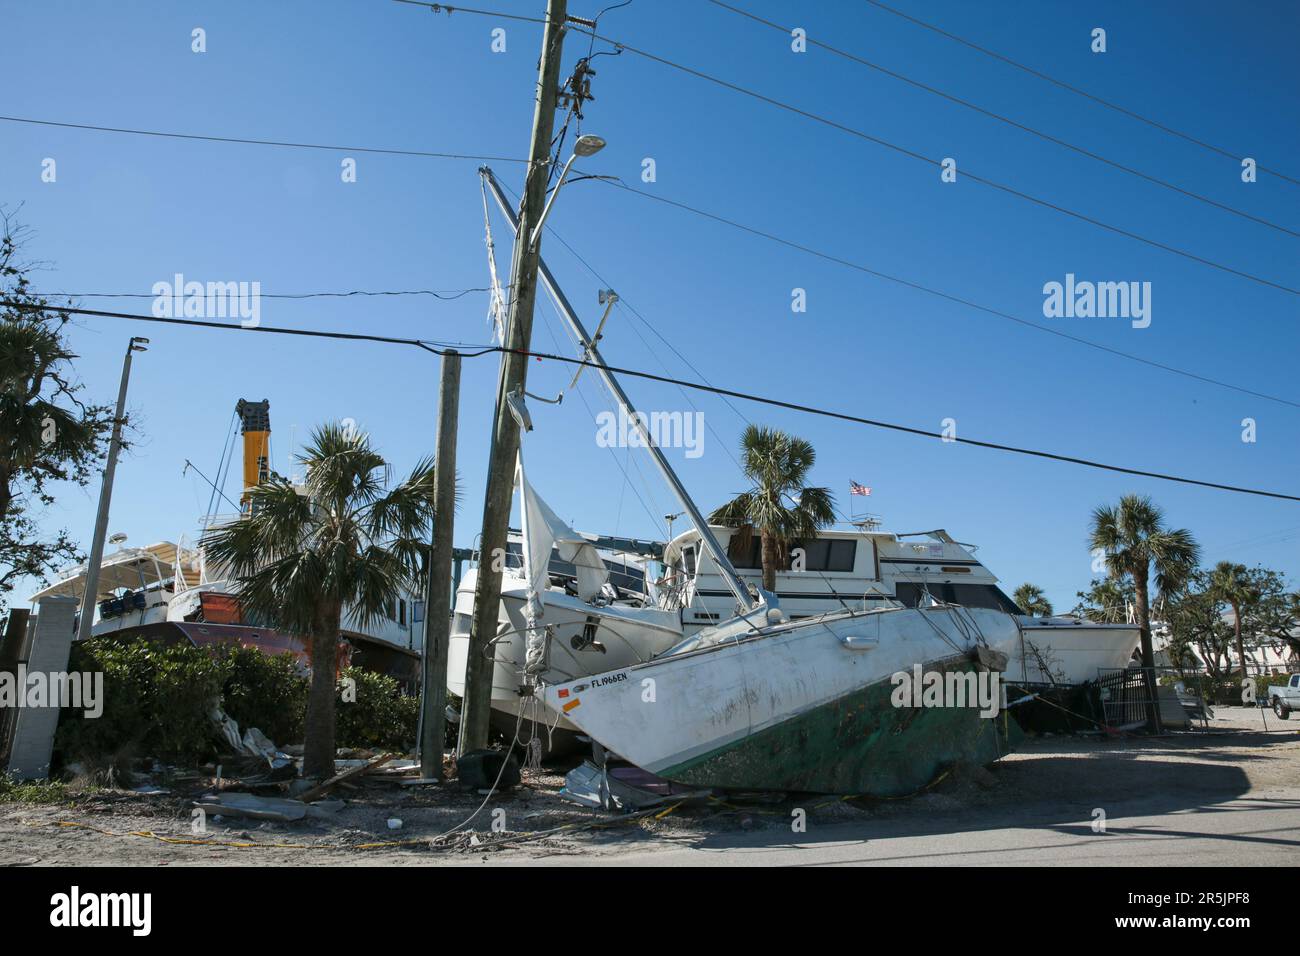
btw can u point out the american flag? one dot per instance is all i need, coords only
(857, 489)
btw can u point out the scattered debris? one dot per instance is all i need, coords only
(348, 774)
(275, 809)
(623, 788)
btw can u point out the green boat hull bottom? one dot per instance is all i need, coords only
(860, 744)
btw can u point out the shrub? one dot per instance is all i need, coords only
(157, 699)
(381, 717)
(155, 703)
(269, 693)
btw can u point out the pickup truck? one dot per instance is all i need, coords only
(1286, 697)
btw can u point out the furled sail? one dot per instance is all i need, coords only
(544, 530)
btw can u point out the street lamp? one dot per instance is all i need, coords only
(587, 145)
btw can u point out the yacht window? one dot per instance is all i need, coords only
(986, 596)
(828, 554)
(822, 554)
(688, 556)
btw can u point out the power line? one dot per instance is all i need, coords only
(685, 383)
(944, 295)
(447, 295)
(263, 142)
(1010, 122)
(913, 154)
(226, 326)
(907, 429)
(1080, 92)
(449, 9)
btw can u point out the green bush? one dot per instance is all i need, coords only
(269, 693)
(381, 717)
(157, 699)
(155, 702)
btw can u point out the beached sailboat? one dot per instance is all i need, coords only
(811, 705)
(733, 705)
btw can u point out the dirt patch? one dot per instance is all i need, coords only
(1244, 752)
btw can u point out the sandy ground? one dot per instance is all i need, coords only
(1061, 779)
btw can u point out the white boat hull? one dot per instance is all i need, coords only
(585, 640)
(799, 706)
(1064, 652)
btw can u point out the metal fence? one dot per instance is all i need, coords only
(1124, 700)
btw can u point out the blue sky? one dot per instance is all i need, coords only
(128, 211)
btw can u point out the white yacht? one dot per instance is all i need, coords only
(644, 607)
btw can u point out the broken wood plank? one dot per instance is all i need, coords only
(334, 781)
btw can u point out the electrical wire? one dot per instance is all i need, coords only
(1080, 92)
(447, 295)
(685, 383)
(921, 157)
(829, 257)
(1010, 122)
(243, 141)
(226, 326)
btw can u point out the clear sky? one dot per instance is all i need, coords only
(128, 211)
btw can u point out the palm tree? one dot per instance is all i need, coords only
(779, 506)
(302, 556)
(1134, 539)
(1031, 599)
(1231, 584)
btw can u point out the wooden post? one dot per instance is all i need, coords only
(91, 595)
(438, 596)
(514, 372)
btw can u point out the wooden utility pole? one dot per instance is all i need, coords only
(514, 372)
(91, 594)
(438, 595)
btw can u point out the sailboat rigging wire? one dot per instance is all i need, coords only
(623, 303)
(698, 386)
(627, 478)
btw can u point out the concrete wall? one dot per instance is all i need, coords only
(33, 739)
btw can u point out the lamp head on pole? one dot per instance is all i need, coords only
(588, 145)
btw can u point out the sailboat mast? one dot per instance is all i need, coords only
(728, 571)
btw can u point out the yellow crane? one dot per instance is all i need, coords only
(255, 426)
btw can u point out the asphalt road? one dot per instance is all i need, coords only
(1258, 830)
